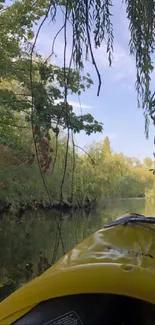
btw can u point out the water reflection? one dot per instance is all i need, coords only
(29, 244)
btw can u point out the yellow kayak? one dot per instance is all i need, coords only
(107, 279)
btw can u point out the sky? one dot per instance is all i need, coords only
(117, 105)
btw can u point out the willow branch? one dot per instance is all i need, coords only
(93, 161)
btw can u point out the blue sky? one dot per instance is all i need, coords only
(116, 106)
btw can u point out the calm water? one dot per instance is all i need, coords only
(29, 245)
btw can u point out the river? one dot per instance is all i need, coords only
(29, 244)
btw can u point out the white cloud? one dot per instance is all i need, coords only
(85, 141)
(79, 105)
(44, 46)
(101, 136)
(111, 136)
(123, 65)
(124, 62)
(120, 18)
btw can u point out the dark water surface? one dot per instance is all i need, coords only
(29, 245)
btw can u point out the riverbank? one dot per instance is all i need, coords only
(20, 208)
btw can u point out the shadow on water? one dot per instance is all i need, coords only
(27, 244)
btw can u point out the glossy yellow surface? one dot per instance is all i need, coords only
(118, 260)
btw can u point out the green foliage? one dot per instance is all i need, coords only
(114, 175)
(150, 195)
(31, 86)
(47, 87)
(34, 103)
(100, 175)
(148, 162)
